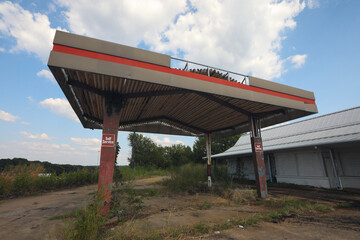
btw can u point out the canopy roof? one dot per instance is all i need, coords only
(325, 130)
(155, 98)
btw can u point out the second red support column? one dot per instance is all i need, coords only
(107, 157)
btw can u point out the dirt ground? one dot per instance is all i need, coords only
(28, 217)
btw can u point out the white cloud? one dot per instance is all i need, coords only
(134, 20)
(86, 141)
(7, 117)
(41, 146)
(165, 141)
(92, 148)
(47, 74)
(42, 136)
(243, 36)
(313, 4)
(25, 123)
(297, 60)
(30, 98)
(31, 31)
(2, 49)
(61, 107)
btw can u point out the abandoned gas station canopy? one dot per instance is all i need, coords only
(155, 97)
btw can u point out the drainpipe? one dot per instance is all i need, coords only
(339, 185)
(269, 167)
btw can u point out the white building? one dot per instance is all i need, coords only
(323, 151)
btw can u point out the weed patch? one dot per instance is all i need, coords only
(240, 196)
(28, 180)
(87, 223)
(187, 178)
(128, 174)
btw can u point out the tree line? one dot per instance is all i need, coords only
(7, 163)
(149, 154)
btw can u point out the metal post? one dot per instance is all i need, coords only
(132, 151)
(208, 155)
(258, 157)
(107, 157)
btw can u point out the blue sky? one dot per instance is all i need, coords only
(312, 45)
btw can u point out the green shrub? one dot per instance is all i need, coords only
(221, 176)
(128, 174)
(5, 186)
(88, 223)
(126, 202)
(188, 178)
(23, 180)
(22, 184)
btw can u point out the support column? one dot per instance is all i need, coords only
(107, 157)
(208, 155)
(258, 157)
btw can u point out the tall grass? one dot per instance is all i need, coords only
(25, 180)
(126, 173)
(87, 223)
(188, 178)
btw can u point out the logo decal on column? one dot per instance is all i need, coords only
(258, 147)
(108, 140)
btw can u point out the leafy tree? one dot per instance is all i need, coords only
(117, 174)
(218, 145)
(147, 153)
(178, 154)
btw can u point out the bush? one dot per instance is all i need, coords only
(139, 172)
(5, 186)
(23, 180)
(190, 177)
(22, 184)
(88, 223)
(221, 176)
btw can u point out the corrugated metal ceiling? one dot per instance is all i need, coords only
(337, 127)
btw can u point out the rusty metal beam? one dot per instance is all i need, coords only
(127, 95)
(224, 103)
(162, 118)
(269, 113)
(94, 119)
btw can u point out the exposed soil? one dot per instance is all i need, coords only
(28, 217)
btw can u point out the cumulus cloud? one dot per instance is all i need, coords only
(86, 141)
(313, 4)
(46, 74)
(2, 49)
(165, 141)
(42, 136)
(7, 117)
(41, 146)
(243, 36)
(31, 31)
(61, 107)
(131, 21)
(297, 60)
(31, 99)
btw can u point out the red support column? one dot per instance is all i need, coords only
(258, 157)
(107, 157)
